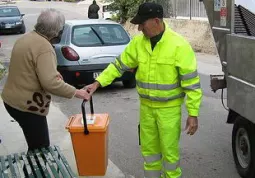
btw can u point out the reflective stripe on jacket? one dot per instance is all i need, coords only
(164, 76)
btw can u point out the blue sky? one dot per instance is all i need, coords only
(249, 4)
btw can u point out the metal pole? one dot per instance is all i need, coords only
(232, 25)
(190, 10)
(199, 9)
(175, 8)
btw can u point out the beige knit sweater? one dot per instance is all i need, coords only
(33, 76)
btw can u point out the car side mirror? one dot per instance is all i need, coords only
(22, 15)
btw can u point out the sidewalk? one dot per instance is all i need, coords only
(5, 2)
(12, 139)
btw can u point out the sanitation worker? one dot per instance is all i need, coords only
(166, 77)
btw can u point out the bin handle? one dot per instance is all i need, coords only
(69, 122)
(86, 131)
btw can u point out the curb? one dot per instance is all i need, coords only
(85, 2)
(6, 3)
(3, 71)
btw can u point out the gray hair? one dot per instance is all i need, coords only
(50, 22)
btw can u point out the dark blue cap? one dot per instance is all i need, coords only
(147, 11)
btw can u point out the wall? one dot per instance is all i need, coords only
(197, 32)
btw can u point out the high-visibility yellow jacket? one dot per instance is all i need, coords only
(164, 76)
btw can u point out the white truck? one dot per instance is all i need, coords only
(233, 27)
(107, 14)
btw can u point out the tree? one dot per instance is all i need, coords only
(128, 8)
(167, 6)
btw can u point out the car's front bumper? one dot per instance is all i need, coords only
(11, 28)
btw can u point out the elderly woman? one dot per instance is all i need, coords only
(33, 76)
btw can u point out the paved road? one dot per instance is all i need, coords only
(206, 155)
(32, 10)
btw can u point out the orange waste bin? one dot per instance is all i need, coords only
(89, 135)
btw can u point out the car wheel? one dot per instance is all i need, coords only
(243, 146)
(129, 83)
(23, 30)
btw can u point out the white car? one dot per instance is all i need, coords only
(87, 47)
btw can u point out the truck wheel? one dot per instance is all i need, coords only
(243, 146)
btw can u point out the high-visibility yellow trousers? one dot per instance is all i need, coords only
(160, 130)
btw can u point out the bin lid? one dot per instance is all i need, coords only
(75, 123)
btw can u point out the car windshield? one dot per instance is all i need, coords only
(9, 12)
(99, 35)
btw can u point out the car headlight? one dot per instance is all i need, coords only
(18, 23)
